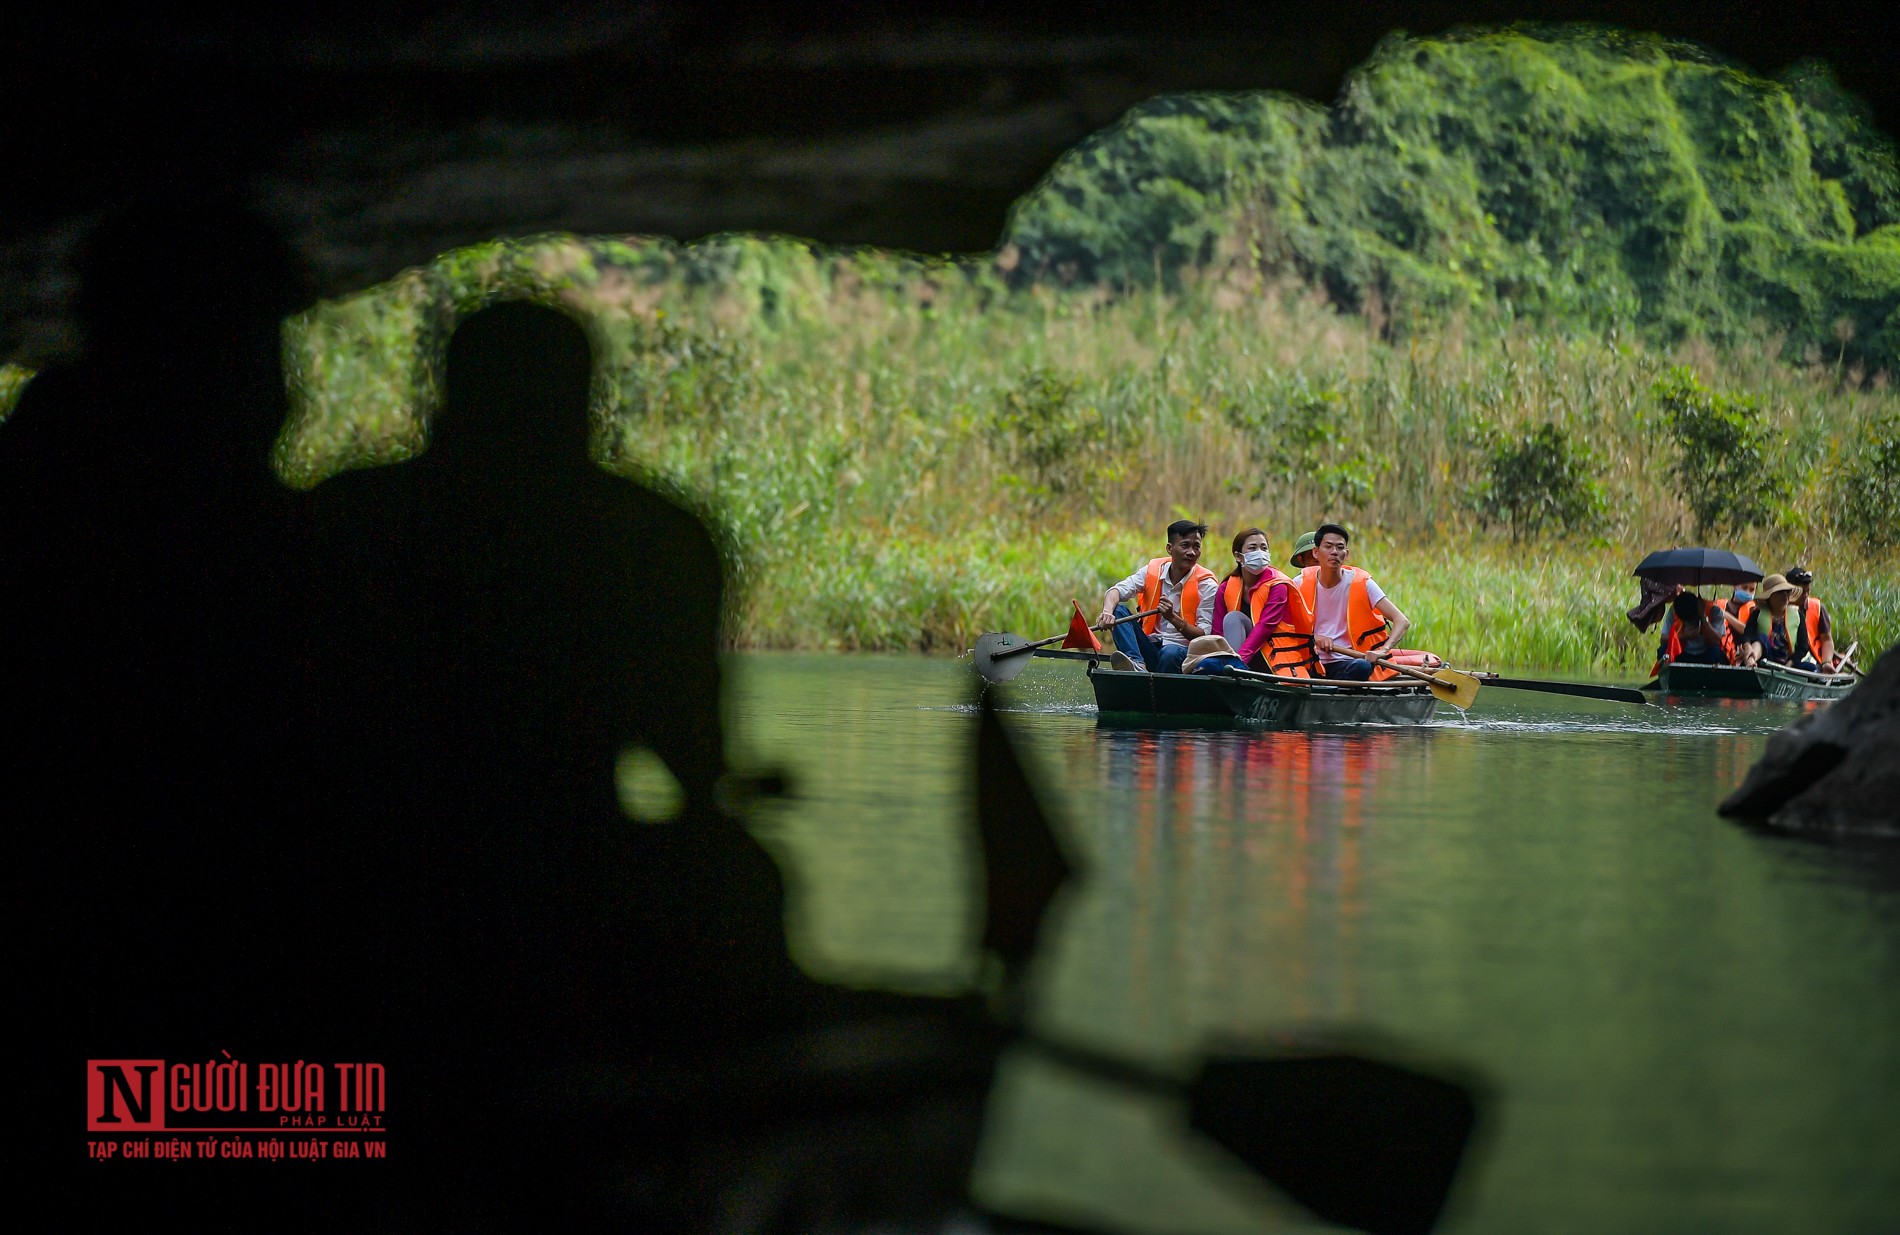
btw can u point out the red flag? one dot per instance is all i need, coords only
(1081, 638)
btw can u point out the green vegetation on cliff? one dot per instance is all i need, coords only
(1583, 178)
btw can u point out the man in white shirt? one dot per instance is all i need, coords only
(1355, 624)
(1180, 587)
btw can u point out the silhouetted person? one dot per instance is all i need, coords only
(506, 617)
(148, 556)
(153, 734)
(144, 530)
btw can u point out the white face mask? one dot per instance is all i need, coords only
(1256, 560)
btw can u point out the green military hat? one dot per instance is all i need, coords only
(1303, 547)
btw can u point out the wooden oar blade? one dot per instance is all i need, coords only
(1464, 687)
(1449, 685)
(1361, 1143)
(1458, 689)
(994, 668)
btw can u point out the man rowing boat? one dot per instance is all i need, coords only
(1180, 588)
(1355, 624)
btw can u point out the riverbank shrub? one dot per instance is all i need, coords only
(1301, 442)
(1869, 488)
(1538, 480)
(1721, 460)
(13, 380)
(1060, 446)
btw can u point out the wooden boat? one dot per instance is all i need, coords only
(1762, 681)
(1123, 696)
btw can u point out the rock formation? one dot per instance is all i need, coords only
(1834, 770)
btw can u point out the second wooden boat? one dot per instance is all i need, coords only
(1763, 681)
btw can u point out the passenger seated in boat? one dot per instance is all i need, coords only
(1777, 627)
(1180, 587)
(1726, 615)
(1693, 634)
(1259, 611)
(1815, 618)
(1303, 552)
(1355, 624)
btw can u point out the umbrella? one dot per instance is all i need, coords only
(1695, 567)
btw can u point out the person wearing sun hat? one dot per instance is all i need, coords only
(1814, 616)
(1304, 553)
(1776, 630)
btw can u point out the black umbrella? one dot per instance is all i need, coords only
(1695, 567)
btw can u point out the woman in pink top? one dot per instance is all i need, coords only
(1253, 569)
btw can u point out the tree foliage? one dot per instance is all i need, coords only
(1584, 177)
(1539, 480)
(1870, 486)
(1721, 452)
(1060, 445)
(1300, 441)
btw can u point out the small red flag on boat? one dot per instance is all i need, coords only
(1081, 638)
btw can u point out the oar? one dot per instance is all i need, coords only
(1454, 687)
(1845, 663)
(1001, 656)
(1583, 690)
(1362, 1142)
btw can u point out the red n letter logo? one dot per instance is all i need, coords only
(117, 1102)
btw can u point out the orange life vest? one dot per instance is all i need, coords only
(1365, 625)
(1257, 603)
(1811, 622)
(1737, 609)
(1804, 636)
(1290, 640)
(1190, 608)
(1672, 643)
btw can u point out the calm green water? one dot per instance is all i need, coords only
(1693, 1027)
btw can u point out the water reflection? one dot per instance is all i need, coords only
(1208, 837)
(1690, 1022)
